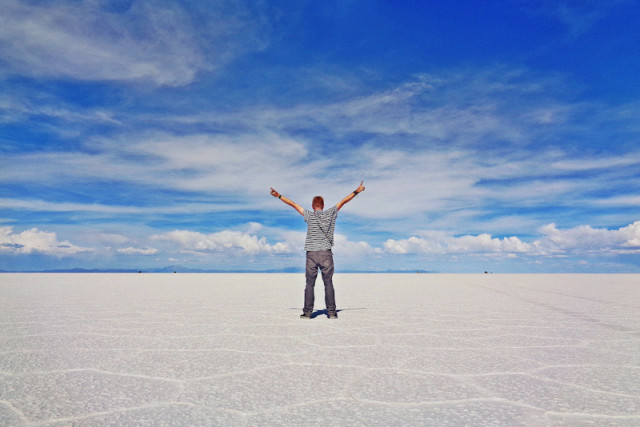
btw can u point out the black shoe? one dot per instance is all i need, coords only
(333, 315)
(305, 316)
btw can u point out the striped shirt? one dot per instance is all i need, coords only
(320, 226)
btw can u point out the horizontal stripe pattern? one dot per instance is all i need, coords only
(317, 221)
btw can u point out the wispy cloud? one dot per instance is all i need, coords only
(577, 18)
(38, 205)
(431, 146)
(152, 42)
(580, 17)
(154, 130)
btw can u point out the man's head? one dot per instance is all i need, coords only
(318, 203)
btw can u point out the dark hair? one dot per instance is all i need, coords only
(318, 201)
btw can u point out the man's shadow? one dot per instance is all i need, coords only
(321, 313)
(326, 313)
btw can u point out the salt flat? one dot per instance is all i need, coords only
(218, 349)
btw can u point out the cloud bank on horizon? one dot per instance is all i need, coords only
(501, 136)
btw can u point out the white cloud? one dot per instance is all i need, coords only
(201, 162)
(21, 105)
(354, 250)
(428, 159)
(35, 241)
(443, 243)
(427, 152)
(154, 42)
(138, 251)
(630, 200)
(110, 238)
(227, 240)
(631, 235)
(583, 240)
(602, 162)
(101, 209)
(587, 239)
(242, 165)
(242, 244)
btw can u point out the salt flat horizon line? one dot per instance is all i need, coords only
(286, 271)
(211, 271)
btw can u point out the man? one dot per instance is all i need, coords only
(320, 227)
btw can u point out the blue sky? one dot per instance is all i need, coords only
(494, 136)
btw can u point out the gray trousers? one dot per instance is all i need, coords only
(322, 260)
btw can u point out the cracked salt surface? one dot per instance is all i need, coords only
(174, 349)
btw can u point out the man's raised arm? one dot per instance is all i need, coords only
(289, 202)
(350, 197)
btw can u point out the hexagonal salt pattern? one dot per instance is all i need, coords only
(229, 349)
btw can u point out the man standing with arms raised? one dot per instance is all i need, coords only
(320, 227)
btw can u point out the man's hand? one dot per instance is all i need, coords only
(350, 197)
(289, 202)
